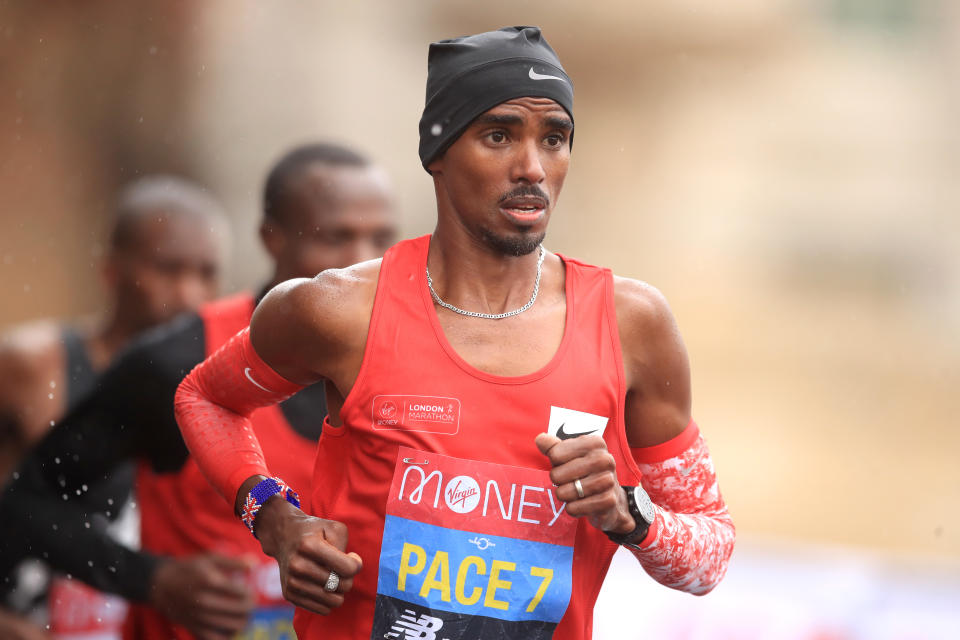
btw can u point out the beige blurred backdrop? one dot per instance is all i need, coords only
(785, 171)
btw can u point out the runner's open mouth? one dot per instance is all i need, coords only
(524, 204)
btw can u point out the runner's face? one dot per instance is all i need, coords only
(335, 217)
(173, 266)
(502, 177)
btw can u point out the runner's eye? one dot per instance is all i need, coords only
(555, 140)
(497, 137)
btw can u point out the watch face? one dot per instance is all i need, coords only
(644, 505)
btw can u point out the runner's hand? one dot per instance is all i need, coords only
(14, 627)
(586, 458)
(307, 549)
(206, 593)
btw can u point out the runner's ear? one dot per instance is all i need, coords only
(273, 239)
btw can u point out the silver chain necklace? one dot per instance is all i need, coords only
(490, 316)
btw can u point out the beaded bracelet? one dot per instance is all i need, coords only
(264, 490)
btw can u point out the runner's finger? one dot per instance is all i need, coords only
(216, 604)
(592, 485)
(343, 586)
(567, 450)
(592, 505)
(329, 557)
(227, 576)
(545, 442)
(315, 592)
(309, 604)
(302, 570)
(231, 563)
(596, 461)
(230, 587)
(306, 571)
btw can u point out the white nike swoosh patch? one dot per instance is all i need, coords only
(569, 423)
(538, 76)
(246, 372)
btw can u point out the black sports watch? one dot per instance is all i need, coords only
(643, 512)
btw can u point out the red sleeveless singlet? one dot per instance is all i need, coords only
(182, 514)
(436, 474)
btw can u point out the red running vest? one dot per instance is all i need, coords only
(182, 514)
(446, 497)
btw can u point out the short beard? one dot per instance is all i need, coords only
(515, 246)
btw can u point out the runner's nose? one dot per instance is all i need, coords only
(528, 165)
(190, 291)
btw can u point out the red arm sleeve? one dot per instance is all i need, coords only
(213, 405)
(690, 542)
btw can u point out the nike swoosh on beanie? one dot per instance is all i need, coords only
(469, 75)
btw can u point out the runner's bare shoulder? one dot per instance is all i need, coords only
(30, 353)
(642, 313)
(32, 383)
(655, 362)
(649, 336)
(306, 327)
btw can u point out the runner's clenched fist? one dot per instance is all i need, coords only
(586, 461)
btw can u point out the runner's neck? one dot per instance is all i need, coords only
(476, 279)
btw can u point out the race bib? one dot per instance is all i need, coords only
(273, 617)
(472, 550)
(269, 623)
(79, 612)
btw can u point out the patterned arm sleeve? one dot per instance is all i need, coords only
(691, 539)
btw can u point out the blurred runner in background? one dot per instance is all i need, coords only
(324, 206)
(165, 256)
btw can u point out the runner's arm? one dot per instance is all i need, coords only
(78, 472)
(56, 530)
(689, 544)
(214, 402)
(297, 336)
(690, 541)
(213, 406)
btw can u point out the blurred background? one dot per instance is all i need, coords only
(785, 171)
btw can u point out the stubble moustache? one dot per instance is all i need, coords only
(526, 242)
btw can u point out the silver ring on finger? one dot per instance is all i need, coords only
(333, 582)
(579, 487)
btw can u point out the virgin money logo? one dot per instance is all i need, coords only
(388, 409)
(462, 494)
(510, 499)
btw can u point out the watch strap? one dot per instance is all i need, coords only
(632, 538)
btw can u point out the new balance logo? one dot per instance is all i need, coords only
(410, 627)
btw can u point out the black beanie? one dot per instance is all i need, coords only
(469, 75)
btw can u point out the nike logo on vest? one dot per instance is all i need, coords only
(565, 435)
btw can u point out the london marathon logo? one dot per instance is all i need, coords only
(431, 414)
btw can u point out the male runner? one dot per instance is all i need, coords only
(164, 257)
(500, 416)
(324, 206)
